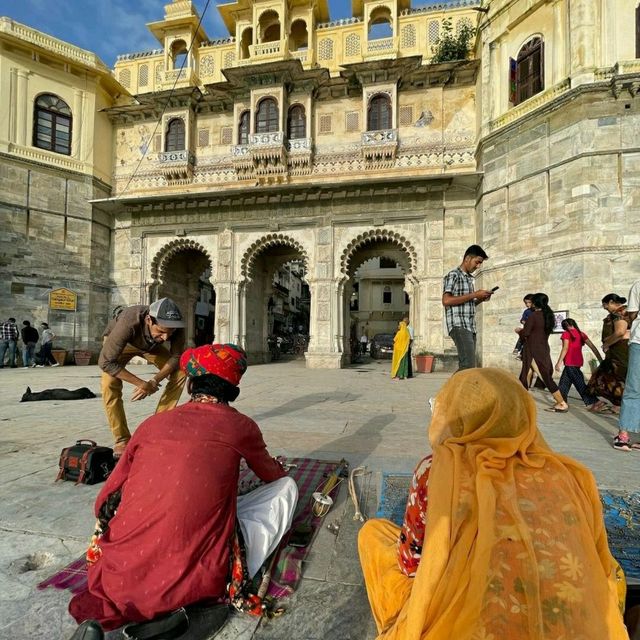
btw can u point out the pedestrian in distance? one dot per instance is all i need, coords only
(46, 346)
(460, 300)
(8, 342)
(535, 334)
(573, 339)
(30, 337)
(400, 360)
(141, 330)
(629, 421)
(411, 337)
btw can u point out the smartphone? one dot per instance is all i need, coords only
(494, 289)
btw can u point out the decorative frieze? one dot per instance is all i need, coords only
(379, 148)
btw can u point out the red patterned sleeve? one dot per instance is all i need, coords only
(412, 532)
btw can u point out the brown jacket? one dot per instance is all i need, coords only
(129, 328)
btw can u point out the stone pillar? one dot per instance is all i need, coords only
(326, 310)
(13, 104)
(559, 44)
(76, 133)
(21, 107)
(584, 41)
(495, 86)
(229, 324)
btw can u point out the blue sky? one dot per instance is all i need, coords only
(112, 27)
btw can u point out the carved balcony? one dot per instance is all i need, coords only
(177, 166)
(242, 161)
(300, 156)
(269, 154)
(379, 148)
(266, 49)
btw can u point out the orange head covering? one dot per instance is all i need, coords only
(227, 361)
(515, 546)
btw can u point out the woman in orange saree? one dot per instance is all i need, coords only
(515, 546)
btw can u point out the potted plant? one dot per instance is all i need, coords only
(424, 362)
(59, 355)
(82, 357)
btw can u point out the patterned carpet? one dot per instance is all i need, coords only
(621, 517)
(309, 475)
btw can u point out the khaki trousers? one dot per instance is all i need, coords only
(112, 389)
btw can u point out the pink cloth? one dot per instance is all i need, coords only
(574, 358)
(168, 544)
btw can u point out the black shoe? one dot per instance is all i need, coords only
(88, 630)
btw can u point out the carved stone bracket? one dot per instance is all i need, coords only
(379, 148)
(300, 156)
(177, 166)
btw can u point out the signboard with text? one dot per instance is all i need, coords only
(63, 299)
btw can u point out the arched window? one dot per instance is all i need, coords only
(245, 42)
(298, 38)
(529, 70)
(380, 25)
(267, 116)
(179, 54)
(379, 113)
(52, 124)
(243, 128)
(296, 123)
(174, 140)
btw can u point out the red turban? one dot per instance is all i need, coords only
(227, 361)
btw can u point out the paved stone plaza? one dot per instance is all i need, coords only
(356, 413)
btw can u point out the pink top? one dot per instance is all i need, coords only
(574, 354)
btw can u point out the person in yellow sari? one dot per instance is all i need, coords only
(515, 546)
(400, 361)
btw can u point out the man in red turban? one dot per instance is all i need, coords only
(174, 492)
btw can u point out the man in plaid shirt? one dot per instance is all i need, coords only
(460, 300)
(8, 340)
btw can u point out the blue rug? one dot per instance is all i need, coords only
(621, 517)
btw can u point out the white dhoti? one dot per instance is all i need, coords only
(265, 515)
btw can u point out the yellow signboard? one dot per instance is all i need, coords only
(63, 299)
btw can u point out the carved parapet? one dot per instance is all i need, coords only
(177, 166)
(379, 148)
(265, 49)
(242, 161)
(269, 153)
(185, 77)
(300, 156)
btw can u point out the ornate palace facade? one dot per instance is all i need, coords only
(332, 142)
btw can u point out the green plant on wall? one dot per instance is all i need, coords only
(453, 45)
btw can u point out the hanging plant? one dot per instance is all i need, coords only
(453, 46)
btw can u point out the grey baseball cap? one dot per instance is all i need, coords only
(166, 313)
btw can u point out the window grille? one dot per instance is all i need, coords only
(267, 116)
(226, 135)
(143, 75)
(207, 66)
(352, 45)
(52, 124)
(434, 32)
(125, 78)
(324, 123)
(325, 49)
(408, 37)
(352, 121)
(405, 116)
(203, 137)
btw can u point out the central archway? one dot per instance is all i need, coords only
(182, 271)
(377, 287)
(276, 299)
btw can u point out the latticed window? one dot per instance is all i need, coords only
(267, 116)
(324, 123)
(143, 75)
(434, 31)
(296, 123)
(379, 113)
(529, 70)
(243, 128)
(174, 140)
(229, 59)
(325, 49)
(408, 37)
(125, 78)
(352, 121)
(405, 116)
(226, 135)
(52, 124)
(352, 44)
(203, 137)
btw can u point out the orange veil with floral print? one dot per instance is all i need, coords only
(515, 546)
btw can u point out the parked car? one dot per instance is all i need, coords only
(382, 346)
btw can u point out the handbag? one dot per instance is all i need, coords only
(85, 463)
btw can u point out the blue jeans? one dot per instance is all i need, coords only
(465, 342)
(28, 352)
(11, 346)
(630, 409)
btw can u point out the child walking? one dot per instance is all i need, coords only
(571, 355)
(517, 350)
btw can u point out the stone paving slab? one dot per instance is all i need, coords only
(357, 413)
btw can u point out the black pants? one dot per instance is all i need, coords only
(573, 376)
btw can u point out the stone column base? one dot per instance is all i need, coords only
(324, 360)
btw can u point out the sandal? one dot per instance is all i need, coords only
(557, 409)
(621, 445)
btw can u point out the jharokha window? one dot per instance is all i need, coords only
(529, 70)
(379, 114)
(267, 116)
(174, 140)
(52, 124)
(243, 128)
(296, 123)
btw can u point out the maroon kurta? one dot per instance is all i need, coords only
(168, 544)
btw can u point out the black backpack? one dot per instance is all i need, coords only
(86, 463)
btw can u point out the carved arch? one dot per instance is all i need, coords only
(163, 257)
(373, 236)
(247, 263)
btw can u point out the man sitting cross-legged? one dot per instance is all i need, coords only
(174, 492)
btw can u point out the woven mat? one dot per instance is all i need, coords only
(309, 474)
(621, 517)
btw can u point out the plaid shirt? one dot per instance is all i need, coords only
(8, 331)
(459, 283)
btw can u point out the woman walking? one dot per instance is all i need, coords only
(608, 379)
(400, 362)
(535, 333)
(571, 356)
